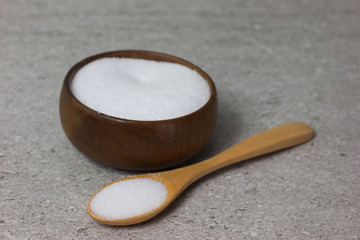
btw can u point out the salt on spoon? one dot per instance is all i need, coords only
(126, 201)
(135, 196)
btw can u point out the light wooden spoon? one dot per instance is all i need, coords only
(280, 137)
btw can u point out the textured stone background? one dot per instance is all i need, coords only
(272, 61)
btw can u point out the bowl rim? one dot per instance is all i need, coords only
(135, 54)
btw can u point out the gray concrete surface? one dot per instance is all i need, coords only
(272, 61)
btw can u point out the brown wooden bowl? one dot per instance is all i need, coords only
(133, 144)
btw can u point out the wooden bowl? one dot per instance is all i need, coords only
(132, 144)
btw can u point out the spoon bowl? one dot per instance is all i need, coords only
(278, 138)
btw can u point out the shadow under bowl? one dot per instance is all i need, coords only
(132, 144)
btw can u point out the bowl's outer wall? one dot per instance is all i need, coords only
(135, 145)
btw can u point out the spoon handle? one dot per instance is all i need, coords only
(278, 138)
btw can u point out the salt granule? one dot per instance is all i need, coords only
(128, 198)
(139, 89)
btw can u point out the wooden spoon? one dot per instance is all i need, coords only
(280, 137)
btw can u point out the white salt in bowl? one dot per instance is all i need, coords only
(161, 113)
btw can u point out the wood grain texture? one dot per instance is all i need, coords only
(136, 145)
